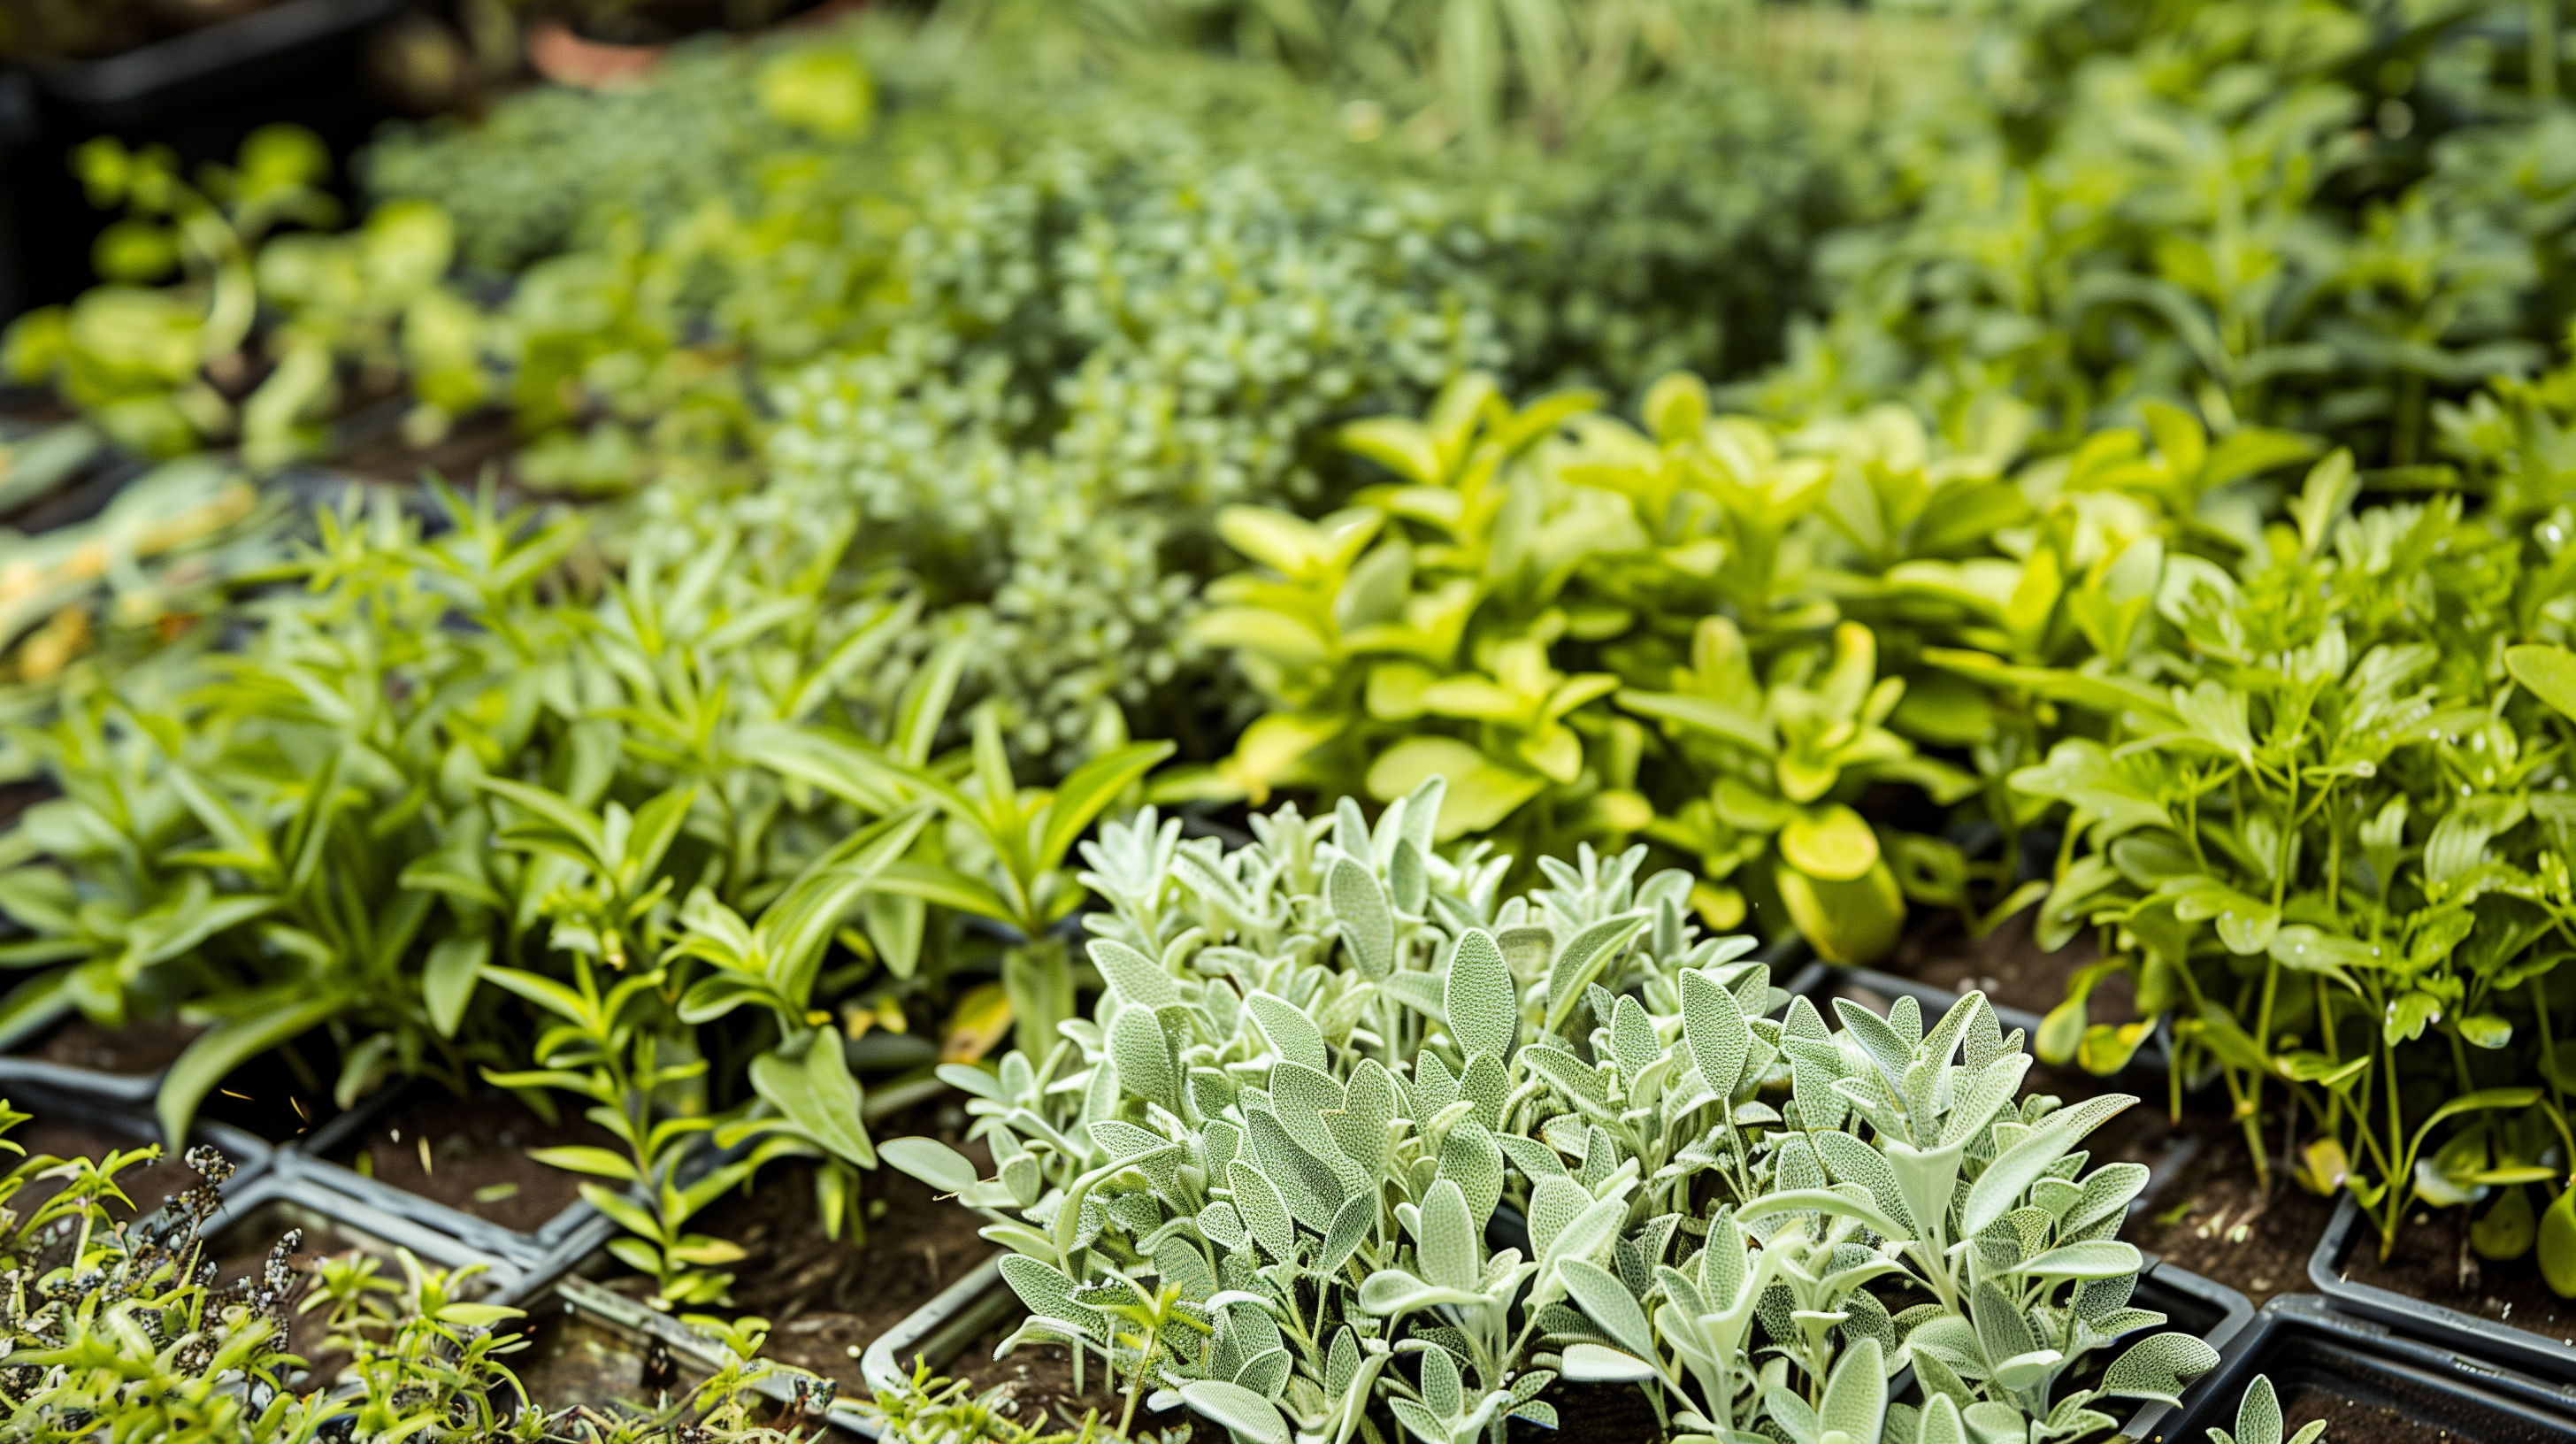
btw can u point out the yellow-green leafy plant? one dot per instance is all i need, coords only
(265, 331)
(1592, 634)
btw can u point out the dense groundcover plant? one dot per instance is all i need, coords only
(1264, 1173)
(1114, 312)
(2319, 215)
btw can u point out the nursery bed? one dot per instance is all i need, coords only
(826, 1300)
(468, 1153)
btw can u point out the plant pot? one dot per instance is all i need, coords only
(2550, 1355)
(979, 1302)
(2202, 1307)
(71, 1056)
(257, 1217)
(199, 92)
(2348, 1371)
(539, 1249)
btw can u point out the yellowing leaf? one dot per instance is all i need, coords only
(981, 1019)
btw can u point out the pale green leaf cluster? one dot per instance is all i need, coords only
(1351, 1129)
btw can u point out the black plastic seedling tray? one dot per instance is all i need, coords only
(129, 1090)
(527, 1262)
(2313, 1351)
(2549, 1356)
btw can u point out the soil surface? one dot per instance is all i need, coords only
(2351, 1422)
(485, 440)
(572, 1361)
(1593, 1411)
(471, 1154)
(2432, 1261)
(2008, 965)
(132, 1051)
(825, 1299)
(2216, 1220)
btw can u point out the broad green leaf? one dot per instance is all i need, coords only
(447, 979)
(2549, 673)
(931, 1161)
(819, 1096)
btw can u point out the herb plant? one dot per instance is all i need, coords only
(1264, 1173)
(265, 329)
(2281, 214)
(2258, 1419)
(2321, 831)
(1595, 634)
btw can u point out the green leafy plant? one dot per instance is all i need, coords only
(1220, 1185)
(2279, 213)
(2322, 832)
(259, 338)
(1505, 615)
(2258, 1419)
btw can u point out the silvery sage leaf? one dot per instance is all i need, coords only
(1479, 999)
(1720, 1039)
(1251, 1416)
(1360, 907)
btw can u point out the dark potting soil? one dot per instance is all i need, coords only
(2216, 1220)
(471, 1153)
(571, 1361)
(2009, 966)
(2432, 1261)
(138, 1048)
(2351, 1422)
(827, 1300)
(1606, 1412)
(473, 445)
(280, 1095)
